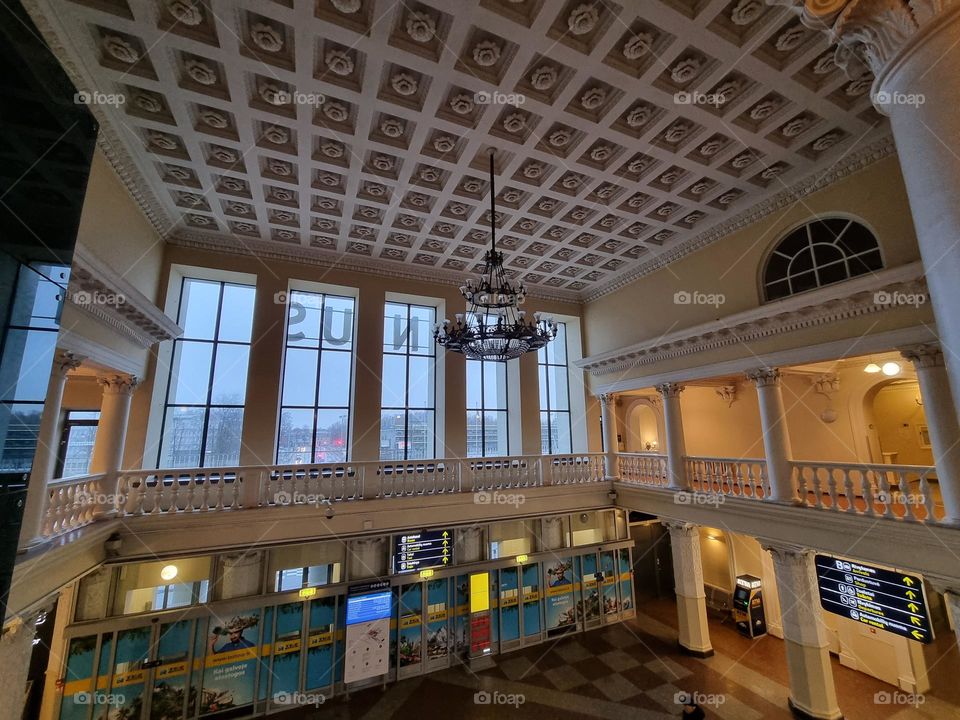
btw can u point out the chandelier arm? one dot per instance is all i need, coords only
(493, 210)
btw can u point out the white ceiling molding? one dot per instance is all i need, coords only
(611, 164)
(853, 298)
(98, 290)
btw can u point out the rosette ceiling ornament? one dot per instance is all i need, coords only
(494, 327)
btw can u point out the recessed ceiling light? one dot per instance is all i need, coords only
(169, 572)
(891, 368)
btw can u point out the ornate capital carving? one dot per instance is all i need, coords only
(728, 393)
(670, 390)
(680, 528)
(118, 384)
(65, 361)
(827, 384)
(609, 398)
(868, 33)
(764, 377)
(927, 355)
(787, 555)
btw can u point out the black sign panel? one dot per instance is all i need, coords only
(422, 550)
(876, 597)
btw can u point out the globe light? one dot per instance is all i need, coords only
(890, 369)
(169, 572)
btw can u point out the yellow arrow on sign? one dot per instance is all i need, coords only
(915, 620)
(445, 534)
(911, 594)
(917, 635)
(907, 580)
(913, 607)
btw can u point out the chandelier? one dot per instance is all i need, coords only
(494, 327)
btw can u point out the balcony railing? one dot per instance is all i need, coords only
(904, 493)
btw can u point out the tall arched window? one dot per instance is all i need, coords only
(820, 253)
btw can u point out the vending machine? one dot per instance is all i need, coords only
(748, 606)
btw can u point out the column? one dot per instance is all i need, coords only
(913, 51)
(673, 427)
(551, 534)
(45, 457)
(688, 583)
(16, 646)
(469, 544)
(366, 558)
(608, 417)
(240, 575)
(776, 440)
(112, 433)
(941, 422)
(812, 692)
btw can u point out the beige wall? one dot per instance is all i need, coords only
(898, 419)
(645, 309)
(263, 388)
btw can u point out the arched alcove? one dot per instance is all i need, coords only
(643, 431)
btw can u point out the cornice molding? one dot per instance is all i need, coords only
(854, 298)
(98, 290)
(848, 165)
(354, 263)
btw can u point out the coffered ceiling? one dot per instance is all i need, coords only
(358, 131)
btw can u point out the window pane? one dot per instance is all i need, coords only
(236, 315)
(27, 358)
(560, 432)
(422, 320)
(295, 437)
(474, 383)
(182, 436)
(331, 439)
(557, 348)
(198, 308)
(392, 434)
(395, 328)
(544, 380)
(230, 375)
(78, 450)
(559, 399)
(421, 370)
(421, 438)
(303, 319)
(20, 423)
(495, 385)
(334, 379)
(495, 434)
(338, 322)
(191, 373)
(223, 437)
(300, 377)
(394, 384)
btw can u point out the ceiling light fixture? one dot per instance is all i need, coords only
(494, 327)
(169, 572)
(890, 369)
(872, 368)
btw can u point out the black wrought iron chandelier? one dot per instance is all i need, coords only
(494, 327)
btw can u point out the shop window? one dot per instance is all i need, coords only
(311, 565)
(593, 527)
(76, 443)
(514, 537)
(161, 585)
(820, 253)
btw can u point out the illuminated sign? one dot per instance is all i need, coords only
(422, 550)
(873, 596)
(749, 582)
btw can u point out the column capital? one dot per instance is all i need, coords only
(787, 554)
(869, 33)
(764, 377)
(670, 390)
(65, 361)
(608, 398)
(682, 528)
(118, 384)
(925, 355)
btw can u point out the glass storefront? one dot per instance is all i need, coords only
(234, 658)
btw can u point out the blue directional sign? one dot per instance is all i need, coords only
(883, 599)
(422, 550)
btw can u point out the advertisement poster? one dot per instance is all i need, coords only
(320, 643)
(531, 600)
(128, 684)
(561, 611)
(286, 649)
(509, 605)
(462, 601)
(626, 581)
(410, 633)
(170, 676)
(230, 666)
(437, 626)
(78, 678)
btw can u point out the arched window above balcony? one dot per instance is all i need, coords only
(819, 253)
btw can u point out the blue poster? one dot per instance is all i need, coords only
(410, 634)
(286, 649)
(170, 676)
(230, 666)
(531, 600)
(320, 643)
(78, 682)
(125, 699)
(561, 611)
